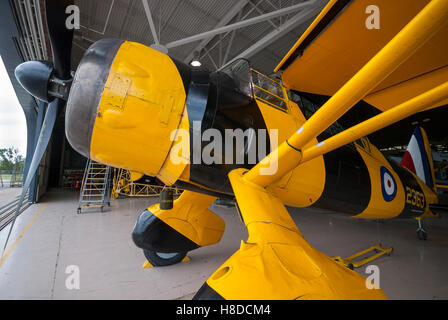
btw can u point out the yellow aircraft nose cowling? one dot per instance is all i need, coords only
(125, 101)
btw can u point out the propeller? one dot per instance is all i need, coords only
(48, 82)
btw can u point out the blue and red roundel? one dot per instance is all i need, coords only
(388, 185)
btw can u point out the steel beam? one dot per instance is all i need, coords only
(229, 46)
(32, 26)
(276, 34)
(150, 21)
(262, 12)
(105, 24)
(40, 28)
(26, 32)
(225, 20)
(241, 24)
(208, 50)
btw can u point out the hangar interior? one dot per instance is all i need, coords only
(50, 236)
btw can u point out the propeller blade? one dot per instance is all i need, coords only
(42, 143)
(60, 36)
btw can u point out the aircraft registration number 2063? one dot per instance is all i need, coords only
(415, 198)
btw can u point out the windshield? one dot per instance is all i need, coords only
(239, 71)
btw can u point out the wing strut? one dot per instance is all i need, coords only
(384, 119)
(414, 35)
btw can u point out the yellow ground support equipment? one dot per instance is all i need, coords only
(124, 185)
(351, 263)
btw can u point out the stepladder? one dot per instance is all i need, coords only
(95, 188)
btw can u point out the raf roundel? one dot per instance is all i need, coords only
(388, 185)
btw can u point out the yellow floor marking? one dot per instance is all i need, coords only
(21, 235)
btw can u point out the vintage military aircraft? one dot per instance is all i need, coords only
(126, 100)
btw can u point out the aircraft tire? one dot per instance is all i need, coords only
(160, 259)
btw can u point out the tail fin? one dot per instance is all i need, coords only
(418, 158)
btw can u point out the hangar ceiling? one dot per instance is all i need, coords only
(175, 21)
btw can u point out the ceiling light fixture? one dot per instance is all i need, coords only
(195, 61)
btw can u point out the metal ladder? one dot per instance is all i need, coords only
(95, 189)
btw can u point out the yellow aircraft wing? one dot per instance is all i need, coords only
(338, 43)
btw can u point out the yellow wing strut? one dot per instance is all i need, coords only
(414, 35)
(378, 122)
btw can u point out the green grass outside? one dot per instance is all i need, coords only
(7, 177)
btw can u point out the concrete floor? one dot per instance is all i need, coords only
(8, 194)
(50, 236)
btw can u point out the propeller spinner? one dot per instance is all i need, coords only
(39, 79)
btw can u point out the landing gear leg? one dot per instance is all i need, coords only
(421, 233)
(276, 262)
